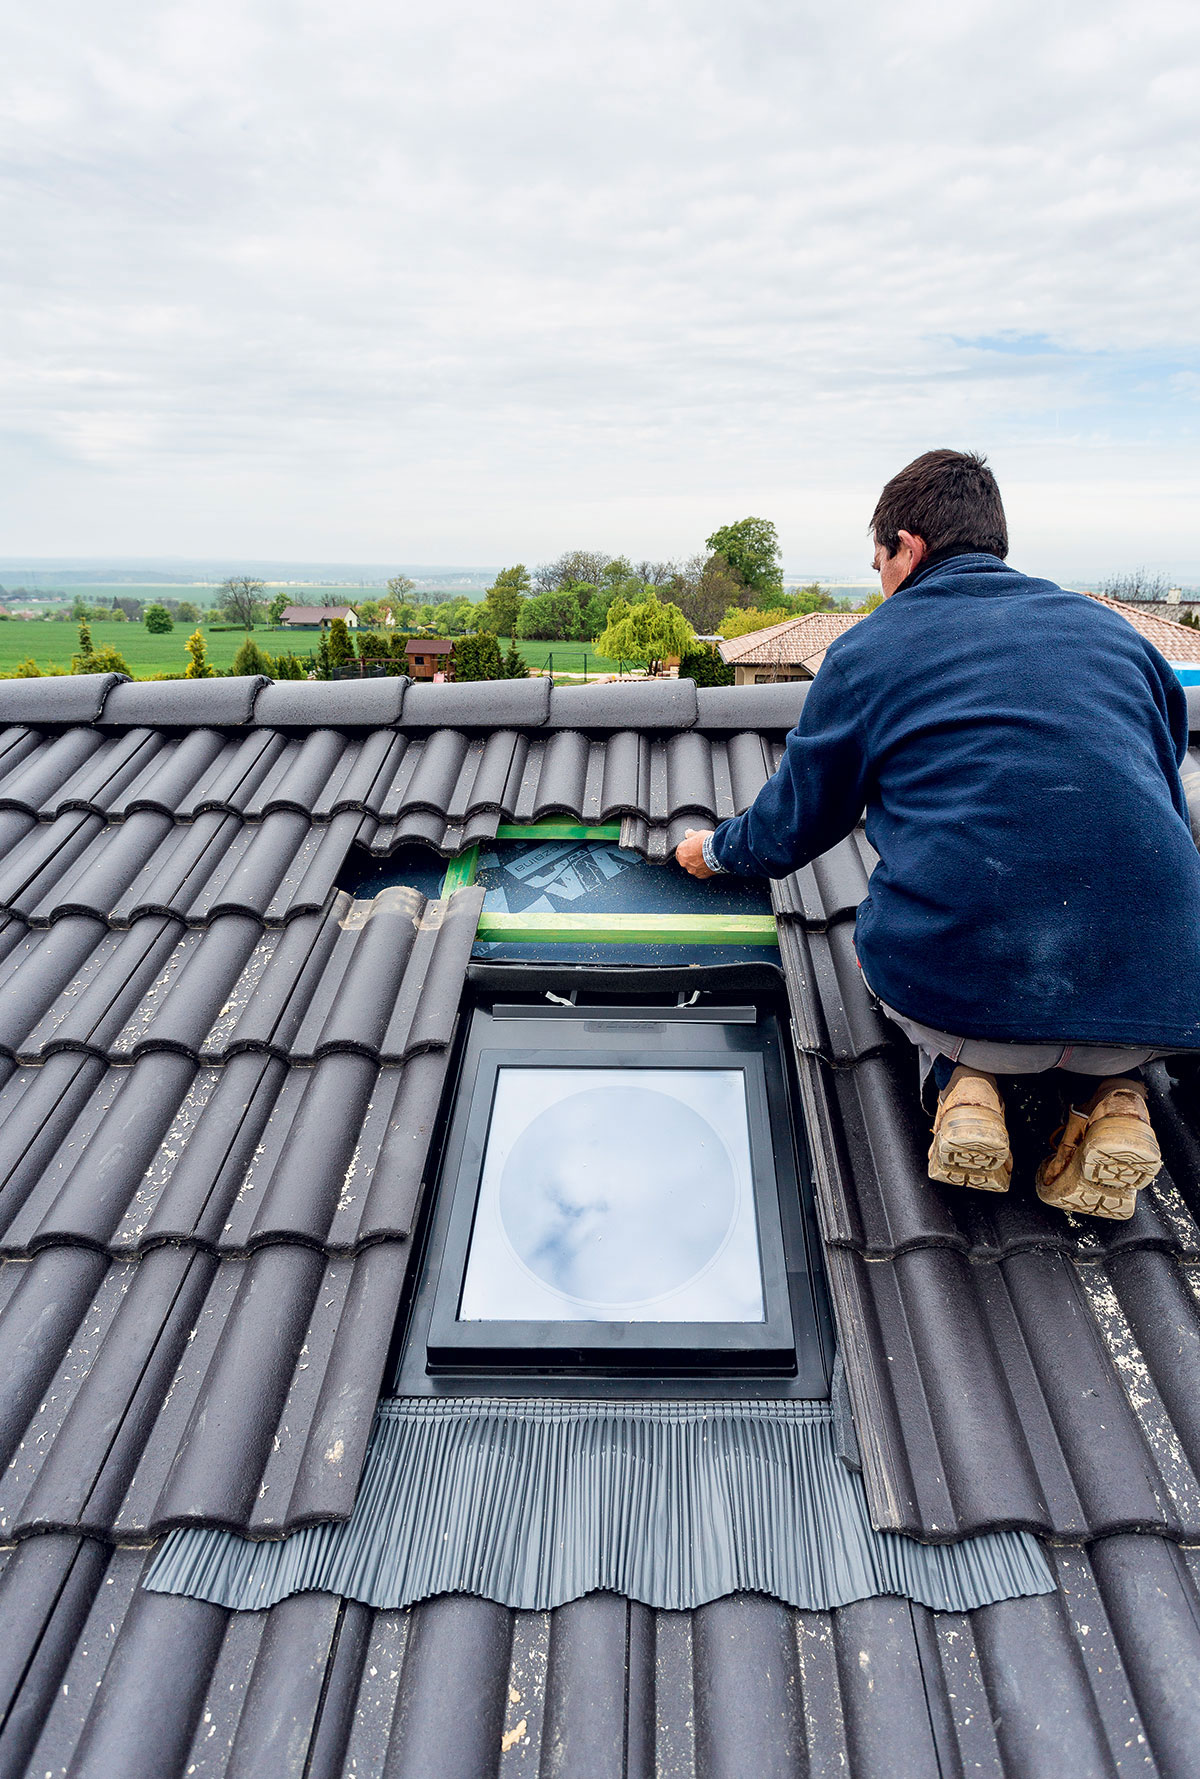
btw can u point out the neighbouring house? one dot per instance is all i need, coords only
(430, 656)
(792, 650)
(913, 1489)
(1178, 642)
(317, 617)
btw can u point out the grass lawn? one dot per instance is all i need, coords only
(50, 643)
(54, 643)
(564, 657)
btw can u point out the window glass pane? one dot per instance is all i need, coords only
(616, 1195)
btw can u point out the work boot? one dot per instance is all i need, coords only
(1105, 1154)
(970, 1142)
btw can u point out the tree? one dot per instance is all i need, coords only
(85, 649)
(1137, 584)
(158, 620)
(514, 664)
(706, 667)
(501, 609)
(704, 589)
(751, 548)
(279, 604)
(647, 632)
(105, 659)
(28, 669)
(81, 611)
(871, 603)
(368, 612)
(341, 650)
(740, 621)
(183, 611)
(238, 597)
(478, 657)
(812, 598)
(400, 587)
(132, 608)
(251, 659)
(197, 667)
(572, 566)
(289, 667)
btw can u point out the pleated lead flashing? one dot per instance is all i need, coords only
(534, 1503)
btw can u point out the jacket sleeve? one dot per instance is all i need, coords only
(817, 795)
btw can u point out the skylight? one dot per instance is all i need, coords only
(616, 1195)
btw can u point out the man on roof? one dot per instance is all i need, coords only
(1036, 905)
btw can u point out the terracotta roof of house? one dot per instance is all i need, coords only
(797, 642)
(1178, 642)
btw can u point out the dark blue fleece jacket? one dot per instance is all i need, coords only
(1017, 751)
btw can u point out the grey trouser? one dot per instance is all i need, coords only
(1017, 1059)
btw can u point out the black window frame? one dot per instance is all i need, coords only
(788, 1349)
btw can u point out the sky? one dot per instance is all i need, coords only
(357, 281)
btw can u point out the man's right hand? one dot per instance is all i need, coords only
(690, 852)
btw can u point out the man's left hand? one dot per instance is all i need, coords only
(690, 852)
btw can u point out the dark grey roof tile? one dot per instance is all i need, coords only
(82, 1193)
(1011, 1393)
(360, 777)
(393, 981)
(625, 704)
(689, 787)
(16, 745)
(749, 768)
(334, 704)
(73, 698)
(731, 710)
(562, 775)
(481, 704)
(831, 887)
(37, 777)
(177, 1386)
(74, 986)
(110, 1678)
(42, 857)
(424, 828)
(832, 1014)
(177, 704)
(232, 780)
(266, 1421)
(169, 774)
(624, 787)
(102, 781)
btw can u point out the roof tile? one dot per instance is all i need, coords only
(226, 703)
(334, 704)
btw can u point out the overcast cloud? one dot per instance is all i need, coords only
(472, 282)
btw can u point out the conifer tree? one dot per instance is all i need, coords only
(198, 667)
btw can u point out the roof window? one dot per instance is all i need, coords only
(620, 1196)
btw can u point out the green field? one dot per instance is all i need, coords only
(51, 644)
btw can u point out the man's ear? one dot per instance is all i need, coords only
(917, 545)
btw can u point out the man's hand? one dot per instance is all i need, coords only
(690, 852)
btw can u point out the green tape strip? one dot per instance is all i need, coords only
(460, 871)
(630, 929)
(557, 831)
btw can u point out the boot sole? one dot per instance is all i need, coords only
(1121, 1154)
(971, 1151)
(1073, 1193)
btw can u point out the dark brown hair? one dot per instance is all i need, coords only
(946, 497)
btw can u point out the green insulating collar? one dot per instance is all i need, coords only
(534, 1503)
